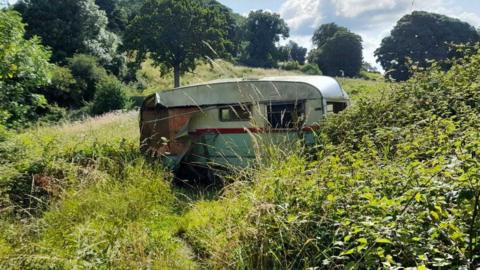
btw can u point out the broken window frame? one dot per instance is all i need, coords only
(296, 109)
(336, 107)
(243, 113)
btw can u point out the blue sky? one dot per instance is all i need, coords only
(372, 19)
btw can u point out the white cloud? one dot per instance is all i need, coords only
(372, 19)
(354, 8)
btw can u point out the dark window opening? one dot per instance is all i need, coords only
(286, 115)
(235, 113)
(336, 107)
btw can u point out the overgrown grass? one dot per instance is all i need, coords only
(394, 182)
(82, 196)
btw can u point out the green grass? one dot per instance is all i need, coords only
(360, 88)
(80, 195)
(97, 202)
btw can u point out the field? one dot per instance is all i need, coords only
(81, 196)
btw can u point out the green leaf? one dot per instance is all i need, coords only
(418, 197)
(363, 241)
(383, 241)
(348, 252)
(434, 215)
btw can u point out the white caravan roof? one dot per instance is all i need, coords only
(233, 91)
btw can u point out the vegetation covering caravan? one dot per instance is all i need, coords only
(216, 123)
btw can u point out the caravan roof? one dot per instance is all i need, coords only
(234, 91)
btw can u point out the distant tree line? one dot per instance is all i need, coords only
(82, 54)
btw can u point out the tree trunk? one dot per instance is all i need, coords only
(176, 75)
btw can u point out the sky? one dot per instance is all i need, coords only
(371, 19)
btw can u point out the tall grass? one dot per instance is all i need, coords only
(82, 196)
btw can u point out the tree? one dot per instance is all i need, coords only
(420, 37)
(87, 74)
(233, 26)
(176, 33)
(70, 27)
(338, 52)
(292, 52)
(24, 66)
(116, 14)
(262, 30)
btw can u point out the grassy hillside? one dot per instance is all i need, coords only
(393, 183)
(151, 79)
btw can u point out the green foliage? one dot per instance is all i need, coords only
(234, 22)
(23, 67)
(292, 52)
(290, 65)
(70, 27)
(395, 183)
(104, 206)
(262, 30)
(110, 95)
(311, 69)
(338, 51)
(87, 73)
(62, 89)
(421, 38)
(175, 34)
(116, 14)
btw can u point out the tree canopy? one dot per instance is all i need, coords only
(117, 14)
(23, 67)
(420, 37)
(70, 27)
(262, 30)
(176, 33)
(293, 52)
(338, 52)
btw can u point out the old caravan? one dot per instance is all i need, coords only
(214, 123)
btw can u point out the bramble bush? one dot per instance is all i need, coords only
(395, 183)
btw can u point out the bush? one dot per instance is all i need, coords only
(24, 67)
(87, 73)
(311, 69)
(63, 89)
(110, 95)
(396, 184)
(290, 65)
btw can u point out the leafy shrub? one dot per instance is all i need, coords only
(311, 69)
(290, 65)
(88, 73)
(63, 89)
(24, 66)
(396, 184)
(110, 95)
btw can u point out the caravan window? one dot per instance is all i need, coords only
(336, 107)
(235, 113)
(285, 115)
